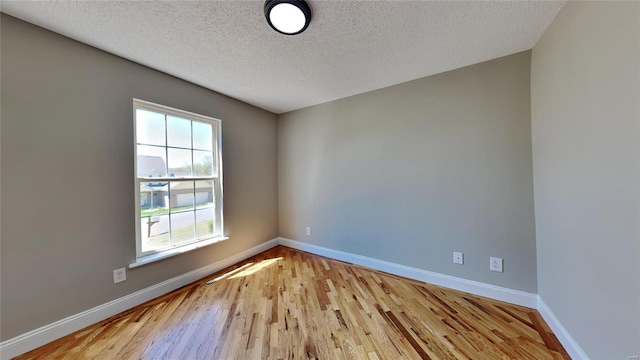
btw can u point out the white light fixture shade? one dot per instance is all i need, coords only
(289, 17)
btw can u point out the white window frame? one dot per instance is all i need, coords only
(155, 255)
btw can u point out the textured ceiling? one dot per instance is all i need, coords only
(349, 48)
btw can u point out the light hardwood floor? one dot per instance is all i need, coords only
(287, 304)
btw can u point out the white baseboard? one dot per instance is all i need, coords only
(38, 337)
(41, 336)
(572, 347)
(473, 287)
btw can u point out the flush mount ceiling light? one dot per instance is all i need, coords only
(289, 17)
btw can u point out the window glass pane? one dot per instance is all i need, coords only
(151, 161)
(202, 136)
(149, 128)
(179, 162)
(182, 227)
(154, 232)
(204, 194)
(185, 207)
(181, 195)
(178, 132)
(205, 224)
(153, 198)
(203, 163)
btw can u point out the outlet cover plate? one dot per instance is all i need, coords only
(458, 258)
(308, 231)
(495, 264)
(119, 275)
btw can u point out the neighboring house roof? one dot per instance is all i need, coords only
(151, 166)
(154, 166)
(179, 185)
(180, 173)
(155, 187)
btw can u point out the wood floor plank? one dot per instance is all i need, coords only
(288, 304)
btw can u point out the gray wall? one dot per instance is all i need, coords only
(413, 172)
(585, 118)
(67, 175)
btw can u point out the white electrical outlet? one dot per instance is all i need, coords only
(458, 258)
(495, 264)
(308, 231)
(119, 275)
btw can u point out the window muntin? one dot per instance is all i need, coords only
(178, 178)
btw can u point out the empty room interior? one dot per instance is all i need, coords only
(320, 179)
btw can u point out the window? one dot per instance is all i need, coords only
(178, 181)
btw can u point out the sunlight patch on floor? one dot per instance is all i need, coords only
(245, 270)
(256, 267)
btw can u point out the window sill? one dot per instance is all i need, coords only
(173, 252)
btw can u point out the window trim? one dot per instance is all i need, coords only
(151, 256)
